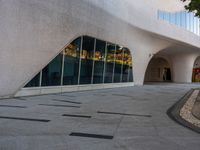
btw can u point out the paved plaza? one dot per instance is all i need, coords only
(132, 118)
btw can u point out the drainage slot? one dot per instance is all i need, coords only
(124, 114)
(25, 119)
(99, 136)
(13, 106)
(78, 116)
(59, 105)
(59, 100)
(123, 95)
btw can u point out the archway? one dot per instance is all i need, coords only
(196, 70)
(158, 70)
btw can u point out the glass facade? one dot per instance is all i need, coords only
(71, 62)
(87, 60)
(186, 20)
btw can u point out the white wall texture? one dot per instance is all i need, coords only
(33, 32)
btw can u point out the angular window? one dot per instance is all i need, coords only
(118, 64)
(99, 58)
(71, 62)
(109, 64)
(35, 82)
(87, 54)
(87, 60)
(51, 74)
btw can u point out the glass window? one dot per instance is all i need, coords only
(172, 18)
(87, 60)
(198, 27)
(130, 76)
(118, 64)
(35, 82)
(71, 62)
(166, 16)
(188, 21)
(126, 62)
(195, 25)
(110, 58)
(183, 19)
(51, 74)
(99, 58)
(87, 54)
(191, 22)
(178, 19)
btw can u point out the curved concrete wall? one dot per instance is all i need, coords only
(33, 32)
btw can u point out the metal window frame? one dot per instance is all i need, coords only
(79, 70)
(92, 78)
(113, 73)
(105, 60)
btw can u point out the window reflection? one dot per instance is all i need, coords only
(110, 58)
(87, 54)
(35, 82)
(118, 64)
(126, 63)
(51, 74)
(99, 61)
(71, 62)
(93, 62)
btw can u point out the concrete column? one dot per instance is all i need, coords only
(182, 68)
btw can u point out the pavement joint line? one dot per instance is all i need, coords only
(13, 106)
(67, 101)
(53, 105)
(24, 119)
(78, 116)
(123, 114)
(99, 136)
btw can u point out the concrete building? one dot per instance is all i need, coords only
(152, 38)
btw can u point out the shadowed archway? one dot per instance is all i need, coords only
(158, 70)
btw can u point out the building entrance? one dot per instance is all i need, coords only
(158, 70)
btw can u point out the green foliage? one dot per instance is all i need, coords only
(193, 6)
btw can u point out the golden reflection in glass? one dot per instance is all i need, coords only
(127, 59)
(110, 53)
(71, 50)
(119, 55)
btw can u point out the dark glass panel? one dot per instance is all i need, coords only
(110, 58)
(130, 68)
(126, 61)
(51, 74)
(87, 54)
(71, 62)
(118, 64)
(99, 61)
(35, 82)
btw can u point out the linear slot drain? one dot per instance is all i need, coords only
(24, 119)
(78, 116)
(99, 136)
(124, 114)
(12, 106)
(59, 105)
(59, 100)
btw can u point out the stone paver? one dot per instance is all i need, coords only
(130, 132)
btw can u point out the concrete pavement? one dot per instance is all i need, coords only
(135, 117)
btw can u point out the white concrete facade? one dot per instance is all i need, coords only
(33, 32)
